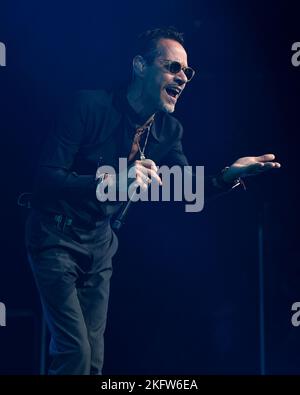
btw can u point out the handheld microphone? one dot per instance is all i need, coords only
(120, 219)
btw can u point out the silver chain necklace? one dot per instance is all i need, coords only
(142, 151)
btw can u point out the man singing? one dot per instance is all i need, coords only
(69, 239)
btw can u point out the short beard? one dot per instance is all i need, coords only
(167, 108)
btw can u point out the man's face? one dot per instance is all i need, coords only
(161, 88)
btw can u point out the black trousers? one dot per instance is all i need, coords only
(72, 268)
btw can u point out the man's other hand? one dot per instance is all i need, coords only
(250, 166)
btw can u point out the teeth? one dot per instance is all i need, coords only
(174, 90)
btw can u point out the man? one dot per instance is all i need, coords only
(69, 238)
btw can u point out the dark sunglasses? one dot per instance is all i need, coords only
(175, 67)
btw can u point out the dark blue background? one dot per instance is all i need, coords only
(185, 290)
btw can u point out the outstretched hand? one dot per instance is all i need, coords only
(250, 166)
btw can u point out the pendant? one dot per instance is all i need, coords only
(142, 156)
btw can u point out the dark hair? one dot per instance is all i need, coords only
(147, 41)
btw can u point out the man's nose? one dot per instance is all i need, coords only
(181, 78)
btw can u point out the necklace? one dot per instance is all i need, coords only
(142, 151)
(136, 146)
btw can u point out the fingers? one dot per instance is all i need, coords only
(142, 180)
(257, 166)
(149, 170)
(263, 166)
(265, 162)
(154, 176)
(271, 165)
(265, 157)
(149, 175)
(148, 163)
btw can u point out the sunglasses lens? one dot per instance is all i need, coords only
(189, 73)
(175, 67)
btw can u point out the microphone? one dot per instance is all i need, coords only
(120, 219)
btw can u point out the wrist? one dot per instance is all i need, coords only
(227, 175)
(226, 180)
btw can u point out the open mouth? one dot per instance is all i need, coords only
(173, 92)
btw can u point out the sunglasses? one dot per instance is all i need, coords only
(175, 67)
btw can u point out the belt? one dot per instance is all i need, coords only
(62, 221)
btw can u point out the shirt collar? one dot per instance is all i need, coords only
(133, 117)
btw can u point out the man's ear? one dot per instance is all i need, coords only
(139, 65)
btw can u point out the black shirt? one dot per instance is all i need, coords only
(97, 129)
